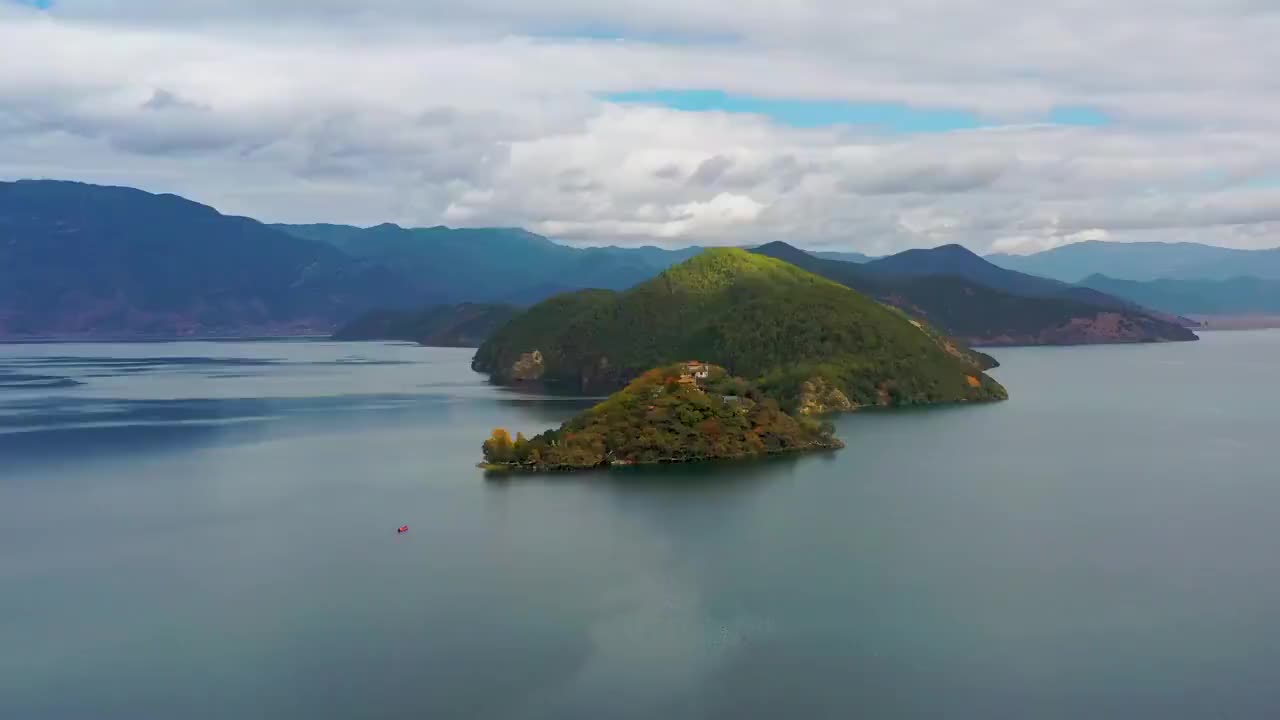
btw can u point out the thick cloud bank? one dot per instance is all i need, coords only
(1142, 120)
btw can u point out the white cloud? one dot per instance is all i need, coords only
(488, 113)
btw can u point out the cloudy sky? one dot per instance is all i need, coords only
(999, 125)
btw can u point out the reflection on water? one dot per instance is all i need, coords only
(710, 477)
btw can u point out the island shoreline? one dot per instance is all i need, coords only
(532, 468)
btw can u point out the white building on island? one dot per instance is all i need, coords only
(698, 369)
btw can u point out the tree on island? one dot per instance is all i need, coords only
(668, 414)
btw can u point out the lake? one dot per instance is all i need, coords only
(208, 530)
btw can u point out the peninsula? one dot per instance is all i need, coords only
(812, 344)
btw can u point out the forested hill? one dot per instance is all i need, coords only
(807, 340)
(678, 413)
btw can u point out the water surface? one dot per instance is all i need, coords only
(207, 530)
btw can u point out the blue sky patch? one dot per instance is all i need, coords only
(886, 117)
(1265, 181)
(1083, 116)
(608, 33)
(41, 4)
(892, 117)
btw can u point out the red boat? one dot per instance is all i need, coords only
(403, 529)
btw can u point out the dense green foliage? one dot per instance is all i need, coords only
(658, 418)
(461, 325)
(758, 317)
(977, 313)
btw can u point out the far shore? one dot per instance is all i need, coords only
(1236, 322)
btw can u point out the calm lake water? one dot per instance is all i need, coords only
(207, 530)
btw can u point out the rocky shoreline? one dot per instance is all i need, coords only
(517, 467)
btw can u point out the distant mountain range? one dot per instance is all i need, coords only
(1178, 278)
(1145, 261)
(87, 260)
(956, 260)
(461, 325)
(501, 265)
(1235, 296)
(855, 257)
(969, 298)
(79, 260)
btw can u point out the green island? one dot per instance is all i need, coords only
(685, 412)
(813, 345)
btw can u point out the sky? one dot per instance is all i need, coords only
(1007, 127)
